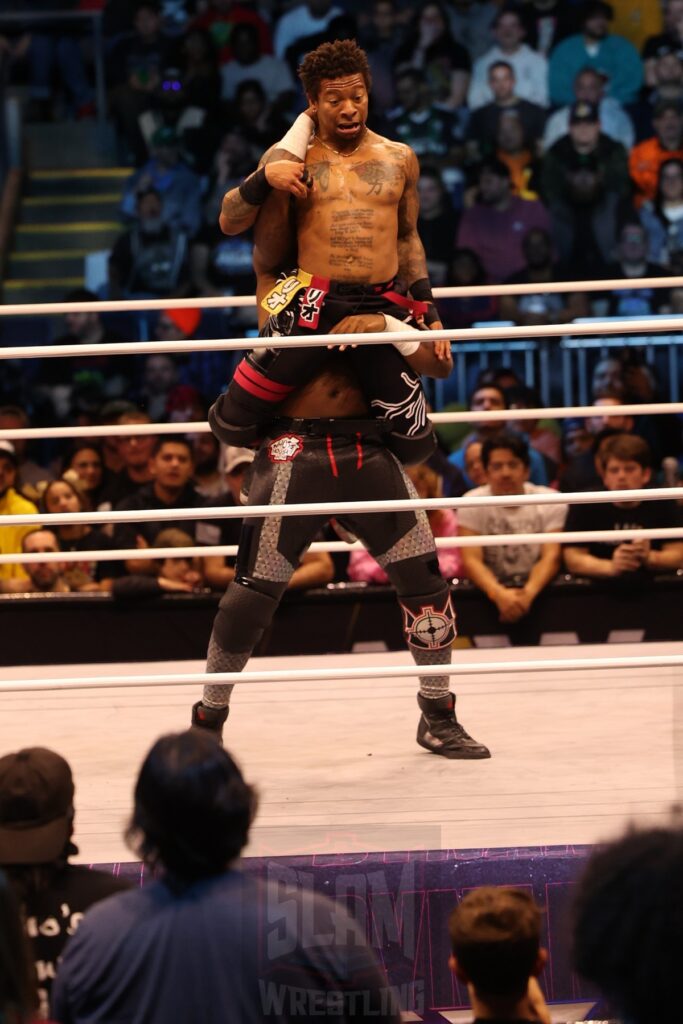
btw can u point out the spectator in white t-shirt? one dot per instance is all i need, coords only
(249, 65)
(499, 571)
(530, 67)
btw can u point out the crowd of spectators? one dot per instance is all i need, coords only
(534, 115)
(204, 939)
(163, 472)
(526, 117)
(551, 148)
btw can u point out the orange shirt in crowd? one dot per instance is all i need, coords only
(519, 165)
(644, 162)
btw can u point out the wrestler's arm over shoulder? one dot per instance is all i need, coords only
(283, 173)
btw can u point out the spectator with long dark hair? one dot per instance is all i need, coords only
(65, 495)
(662, 217)
(199, 942)
(18, 993)
(85, 460)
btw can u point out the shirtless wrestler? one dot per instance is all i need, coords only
(344, 433)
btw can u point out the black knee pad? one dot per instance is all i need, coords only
(429, 619)
(243, 614)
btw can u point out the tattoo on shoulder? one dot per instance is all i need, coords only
(377, 173)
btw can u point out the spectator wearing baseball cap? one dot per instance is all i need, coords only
(12, 503)
(594, 47)
(666, 144)
(584, 183)
(666, 78)
(36, 828)
(592, 86)
(670, 39)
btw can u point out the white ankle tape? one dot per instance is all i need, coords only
(392, 323)
(296, 140)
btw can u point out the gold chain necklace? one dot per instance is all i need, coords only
(338, 152)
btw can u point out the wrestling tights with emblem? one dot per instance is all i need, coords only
(429, 628)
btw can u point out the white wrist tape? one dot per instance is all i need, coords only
(296, 140)
(392, 323)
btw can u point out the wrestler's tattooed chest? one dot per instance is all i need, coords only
(380, 176)
(368, 178)
(351, 240)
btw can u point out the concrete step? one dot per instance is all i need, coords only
(51, 144)
(89, 235)
(48, 289)
(46, 263)
(77, 181)
(58, 209)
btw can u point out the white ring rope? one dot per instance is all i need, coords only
(228, 301)
(230, 550)
(371, 672)
(469, 416)
(332, 508)
(666, 325)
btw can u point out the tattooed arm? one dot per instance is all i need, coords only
(412, 262)
(281, 171)
(281, 167)
(432, 358)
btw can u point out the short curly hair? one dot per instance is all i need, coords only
(628, 921)
(333, 60)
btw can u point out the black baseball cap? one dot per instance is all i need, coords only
(36, 806)
(661, 107)
(582, 111)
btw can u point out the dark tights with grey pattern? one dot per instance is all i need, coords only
(325, 468)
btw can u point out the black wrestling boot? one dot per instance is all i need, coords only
(440, 731)
(211, 719)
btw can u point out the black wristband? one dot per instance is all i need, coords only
(432, 315)
(422, 290)
(255, 189)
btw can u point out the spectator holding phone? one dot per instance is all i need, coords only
(624, 462)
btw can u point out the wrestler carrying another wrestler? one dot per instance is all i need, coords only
(334, 208)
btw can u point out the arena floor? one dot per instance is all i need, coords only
(575, 753)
